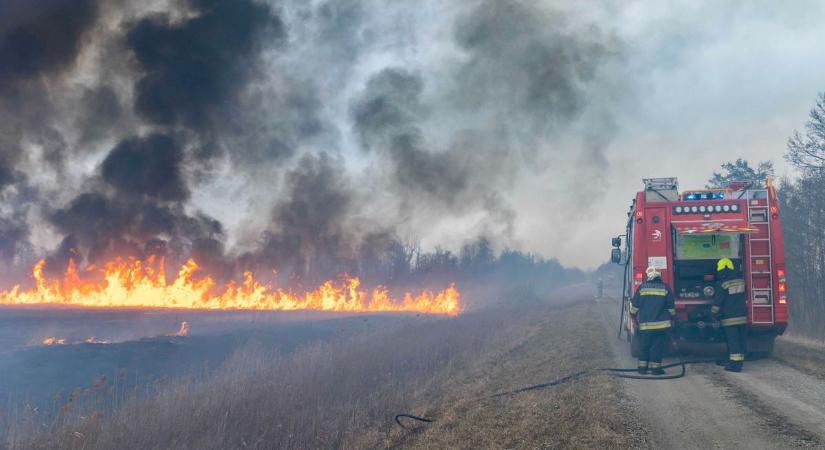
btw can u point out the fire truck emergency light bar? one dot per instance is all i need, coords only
(704, 196)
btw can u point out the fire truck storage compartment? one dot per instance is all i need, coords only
(694, 264)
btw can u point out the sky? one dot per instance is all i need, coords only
(711, 82)
(305, 133)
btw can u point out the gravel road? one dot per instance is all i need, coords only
(768, 405)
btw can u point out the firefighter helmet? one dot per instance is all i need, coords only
(724, 263)
(652, 273)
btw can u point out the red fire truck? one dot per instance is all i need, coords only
(684, 234)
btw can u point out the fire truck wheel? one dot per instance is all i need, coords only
(635, 342)
(760, 346)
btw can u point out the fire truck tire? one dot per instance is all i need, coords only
(635, 342)
(760, 346)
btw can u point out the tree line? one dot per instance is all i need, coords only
(802, 207)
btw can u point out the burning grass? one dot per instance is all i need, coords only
(132, 283)
(344, 393)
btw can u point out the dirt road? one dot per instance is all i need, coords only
(769, 405)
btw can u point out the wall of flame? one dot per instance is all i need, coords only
(132, 283)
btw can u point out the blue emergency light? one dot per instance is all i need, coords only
(705, 196)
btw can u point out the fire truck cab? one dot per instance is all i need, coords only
(684, 234)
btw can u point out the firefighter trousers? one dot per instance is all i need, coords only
(737, 340)
(652, 348)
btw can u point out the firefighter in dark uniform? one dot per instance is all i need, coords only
(652, 305)
(730, 309)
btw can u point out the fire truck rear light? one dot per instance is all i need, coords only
(637, 278)
(780, 273)
(782, 287)
(783, 300)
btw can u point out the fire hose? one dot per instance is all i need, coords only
(610, 371)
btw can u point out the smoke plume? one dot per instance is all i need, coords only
(311, 137)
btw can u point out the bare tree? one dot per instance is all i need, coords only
(807, 151)
(802, 203)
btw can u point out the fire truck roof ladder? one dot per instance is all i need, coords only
(666, 189)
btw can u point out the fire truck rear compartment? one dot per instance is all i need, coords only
(694, 280)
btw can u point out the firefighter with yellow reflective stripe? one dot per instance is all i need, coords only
(730, 309)
(652, 305)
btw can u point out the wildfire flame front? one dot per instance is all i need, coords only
(132, 283)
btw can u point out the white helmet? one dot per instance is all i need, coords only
(652, 273)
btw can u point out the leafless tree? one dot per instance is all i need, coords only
(802, 203)
(807, 152)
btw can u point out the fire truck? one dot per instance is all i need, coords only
(684, 234)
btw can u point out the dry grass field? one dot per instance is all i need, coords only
(802, 354)
(554, 342)
(344, 394)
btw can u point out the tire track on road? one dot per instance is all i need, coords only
(707, 408)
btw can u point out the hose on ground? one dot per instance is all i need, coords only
(410, 416)
(610, 371)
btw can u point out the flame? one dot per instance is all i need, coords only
(51, 340)
(183, 331)
(132, 283)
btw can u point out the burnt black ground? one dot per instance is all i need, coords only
(139, 349)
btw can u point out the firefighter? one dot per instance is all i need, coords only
(730, 309)
(652, 305)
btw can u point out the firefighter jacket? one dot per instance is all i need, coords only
(729, 300)
(654, 304)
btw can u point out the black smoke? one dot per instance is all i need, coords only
(38, 38)
(194, 70)
(387, 118)
(148, 167)
(528, 67)
(310, 232)
(118, 121)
